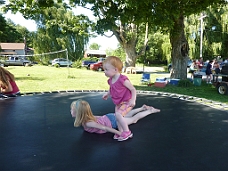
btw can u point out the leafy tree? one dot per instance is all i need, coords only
(118, 18)
(94, 46)
(214, 33)
(158, 50)
(123, 19)
(58, 27)
(9, 32)
(117, 52)
(169, 15)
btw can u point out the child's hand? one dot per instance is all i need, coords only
(132, 103)
(105, 96)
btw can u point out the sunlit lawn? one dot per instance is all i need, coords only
(47, 78)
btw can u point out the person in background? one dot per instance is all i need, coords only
(209, 72)
(8, 86)
(216, 70)
(200, 64)
(193, 68)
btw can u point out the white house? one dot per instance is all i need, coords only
(8, 49)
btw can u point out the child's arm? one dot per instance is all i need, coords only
(102, 127)
(128, 84)
(105, 96)
(8, 88)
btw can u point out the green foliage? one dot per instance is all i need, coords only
(8, 32)
(159, 48)
(43, 60)
(185, 83)
(60, 29)
(94, 46)
(214, 33)
(77, 64)
(117, 52)
(56, 65)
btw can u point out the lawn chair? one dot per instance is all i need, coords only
(145, 78)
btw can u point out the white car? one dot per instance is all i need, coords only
(15, 61)
(61, 62)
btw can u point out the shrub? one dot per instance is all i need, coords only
(77, 64)
(185, 83)
(56, 65)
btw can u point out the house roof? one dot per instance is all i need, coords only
(95, 52)
(13, 46)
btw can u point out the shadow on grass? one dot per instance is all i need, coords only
(30, 78)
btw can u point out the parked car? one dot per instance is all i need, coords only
(87, 63)
(98, 66)
(61, 62)
(15, 61)
(188, 65)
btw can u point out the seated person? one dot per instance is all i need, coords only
(8, 86)
(193, 68)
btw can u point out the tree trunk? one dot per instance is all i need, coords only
(129, 43)
(131, 55)
(180, 49)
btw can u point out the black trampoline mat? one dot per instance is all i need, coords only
(37, 134)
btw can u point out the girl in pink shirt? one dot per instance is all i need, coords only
(122, 92)
(84, 117)
(8, 85)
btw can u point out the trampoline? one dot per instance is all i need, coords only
(37, 134)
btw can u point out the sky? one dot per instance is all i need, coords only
(104, 42)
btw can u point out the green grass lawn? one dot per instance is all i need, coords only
(47, 78)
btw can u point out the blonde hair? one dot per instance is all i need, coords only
(83, 112)
(5, 76)
(114, 61)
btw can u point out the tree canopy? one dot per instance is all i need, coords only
(58, 27)
(129, 19)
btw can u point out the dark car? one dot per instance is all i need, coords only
(188, 65)
(98, 66)
(87, 63)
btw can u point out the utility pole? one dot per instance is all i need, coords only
(201, 34)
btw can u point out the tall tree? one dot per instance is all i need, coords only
(176, 11)
(58, 27)
(9, 32)
(123, 18)
(117, 17)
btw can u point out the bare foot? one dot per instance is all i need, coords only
(154, 110)
(145, 107)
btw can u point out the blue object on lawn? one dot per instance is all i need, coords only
(145, 78)
(174, 81)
